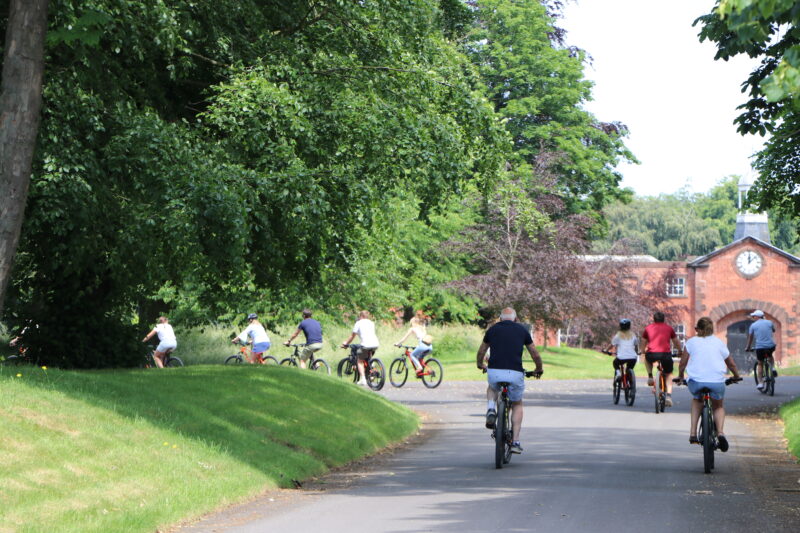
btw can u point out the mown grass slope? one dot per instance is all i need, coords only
(137, 450)
(790, 413)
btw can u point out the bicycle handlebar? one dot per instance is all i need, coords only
(729, 381)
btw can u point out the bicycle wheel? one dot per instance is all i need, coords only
(376, 374)
(500, 435)
(235, 359)
(321, 366)
(346, 371)
(398, 372)
(288, 362)
(269, 360)
(433, 373)
(658, 393)
(617, 385)
(707, 438)
(174, 362)
(755, 372)
(630, 392)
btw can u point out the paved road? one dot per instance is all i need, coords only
(588, 466)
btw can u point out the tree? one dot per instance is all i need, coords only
(20, 105)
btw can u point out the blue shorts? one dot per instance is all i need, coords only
(514, 378)
(422, 350)
(260, 347)
(717, 389)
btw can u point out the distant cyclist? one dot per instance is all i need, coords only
(256, 333)
(658, 339)
(424, 341)
(312, 330)
(626, 347)
(365, 329)
(506, 340)
(166, 340)
(761, 331)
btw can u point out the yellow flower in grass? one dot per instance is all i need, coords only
(44, 368)
(19, 375)
(166, 444)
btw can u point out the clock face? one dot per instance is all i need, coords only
(748, 262)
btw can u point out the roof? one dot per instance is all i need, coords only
(631, 258)
(704, 259)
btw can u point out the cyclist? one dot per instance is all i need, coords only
(705, 360)
(255, 332)
(658, 337)
(365, 329)
(506, 340)
(312, 329)
(166, 340)
(761, 331)
(625, 345)
(424, 341)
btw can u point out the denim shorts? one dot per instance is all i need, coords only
(514, 378)
(261, 347)
(717, 389)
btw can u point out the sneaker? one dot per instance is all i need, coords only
(491, 417)
(668, 401)
(516, 448)
(722, 443)
(362, 381)
(774, 373)
(760, 386)
(650, 382)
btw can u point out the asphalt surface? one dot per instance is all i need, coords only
(588, 465)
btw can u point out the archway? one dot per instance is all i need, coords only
(737, 342)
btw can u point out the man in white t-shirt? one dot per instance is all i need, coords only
(166, 340)
(365, 329)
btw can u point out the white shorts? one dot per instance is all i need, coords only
(514, 378)
(164, 346)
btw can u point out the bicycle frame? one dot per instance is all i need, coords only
(425, 370)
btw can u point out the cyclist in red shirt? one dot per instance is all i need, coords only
(657, 338)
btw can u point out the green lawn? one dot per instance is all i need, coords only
(139, 450)
(790, 413)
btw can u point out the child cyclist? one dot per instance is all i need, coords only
(258, 334)
(625, 347)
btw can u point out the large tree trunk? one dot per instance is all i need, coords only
(20, 106)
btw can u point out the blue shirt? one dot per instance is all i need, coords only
(312, 330)
(762, 330)
(506, 340)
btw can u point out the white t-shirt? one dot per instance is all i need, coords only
(626, 348)
(256, 332)
(165, 334)
(365, 329)
(707, 359)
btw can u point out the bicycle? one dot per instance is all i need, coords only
(374, 371)
(319, 365)
(431, 373)
(767, 377)
(169, 360)
(707, 431)
(503, 430)
(239, 358)
(661, 389)
(625, 381)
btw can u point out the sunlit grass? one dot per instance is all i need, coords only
(790, 413)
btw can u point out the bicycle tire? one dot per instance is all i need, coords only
(321, 365)
(345, 370)
(269, 360)
(707, 439)
(755, 372)
(433, 373)
(234, 359)
(376, 375)
(288, 362)
(769, 384)
(630, 392)
(615, 389)
(14, 360)
(657, 384)
(398, 372)
(174, 362)
(500, 435)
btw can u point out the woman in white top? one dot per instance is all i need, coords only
(424, 341)
(625, 346)
(365, 329)
(255, 332)
(706, 360)
(166, 340)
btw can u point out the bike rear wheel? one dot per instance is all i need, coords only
(398, 372)
(346, 370)
(658, 393)
(322, 366)
(500, 435)
(630, 392)
(269, 360)
(616, 389)
(235, 359)
(174, 362)
(288, 362)
(376, 374)
(769, 385)
(707, 438)
(433, 373)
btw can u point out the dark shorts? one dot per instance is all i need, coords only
(664, 357)
(763, 353)
(619, 362)
(365, 353)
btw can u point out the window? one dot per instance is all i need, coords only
(676, 287)
(680, 332)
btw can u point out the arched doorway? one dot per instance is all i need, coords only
(737, 342)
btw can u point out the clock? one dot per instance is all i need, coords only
(749, 263)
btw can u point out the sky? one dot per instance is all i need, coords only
(652, 74)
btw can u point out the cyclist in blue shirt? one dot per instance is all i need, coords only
(312, 329)
(761, 338)
(506, 340)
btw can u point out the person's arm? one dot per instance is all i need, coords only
(749, 342)
(149, 335)
(731, 364)
(346, 343)
(645, 343)
(242, 337)
(295, 334)
(682, 364)
(398, 343)
(676, 344)
(481, 354)
(537, 359)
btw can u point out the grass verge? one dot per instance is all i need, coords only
(790, 413)
(138, 450)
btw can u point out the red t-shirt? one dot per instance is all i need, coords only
(658, 335)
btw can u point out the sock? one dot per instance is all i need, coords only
(490, 405)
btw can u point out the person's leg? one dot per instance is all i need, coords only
(158, 358)
(719, 415)
(759, 371)
(697, 406)
(649, 367)
(516, 420)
